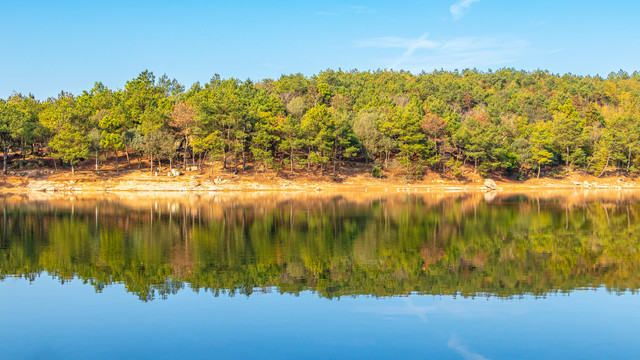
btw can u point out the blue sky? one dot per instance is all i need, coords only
(50, 46)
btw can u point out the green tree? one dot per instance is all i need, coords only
(317, 136)
(70, 145)
(568, 134)
(540, 145)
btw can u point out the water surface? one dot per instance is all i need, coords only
(465, 275)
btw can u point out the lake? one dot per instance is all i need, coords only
(545, 274)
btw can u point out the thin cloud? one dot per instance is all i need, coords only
(455, 344)
(396, 42)
(464, 52)
(409, 309)
(460, 8)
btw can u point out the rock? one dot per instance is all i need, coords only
(192, 168)
(175, 172)
(318, 189)
(586, 183)
(576, 183)
(490, 184)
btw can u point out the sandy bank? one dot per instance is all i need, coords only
(87, 181)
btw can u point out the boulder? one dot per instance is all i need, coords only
(586, 183)
(576, 183)
(490, 184)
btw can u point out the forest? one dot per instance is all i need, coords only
(507, 122)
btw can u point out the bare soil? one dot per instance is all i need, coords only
(353, 177)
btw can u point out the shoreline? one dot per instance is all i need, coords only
(140, 181)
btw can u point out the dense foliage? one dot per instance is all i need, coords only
(381, 246)
(507, 122)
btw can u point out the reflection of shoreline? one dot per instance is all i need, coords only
(148, 200)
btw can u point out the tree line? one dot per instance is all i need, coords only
(505, 122)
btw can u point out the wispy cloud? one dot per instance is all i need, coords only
(409, 309)
(460, 8)
(396, 42)
(455, 344)
(465, 52)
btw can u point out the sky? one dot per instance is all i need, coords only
(50, 46)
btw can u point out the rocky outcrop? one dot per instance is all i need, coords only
(490, 184)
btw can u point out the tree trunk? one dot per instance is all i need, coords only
(339, 163)
(117, 168)
(386, 159)
(629, 161)
(151, 158)
(309, 161)
(567, 161)
(235, 161)
(126, 151)
(335, 159)
(244, 160)
(96, 160)
(291, 158)
(186, 142)
(4, 156)
(55, 165)
(606, 165)
(170, 163)
(224, 159)
(538, 170)
(73, 170)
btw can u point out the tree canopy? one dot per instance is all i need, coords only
(451, 122)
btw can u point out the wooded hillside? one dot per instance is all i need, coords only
(506, 122)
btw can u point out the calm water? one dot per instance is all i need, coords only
(459, 276)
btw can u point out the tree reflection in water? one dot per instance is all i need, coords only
(467, 244)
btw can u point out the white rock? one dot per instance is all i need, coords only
(490, 184)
